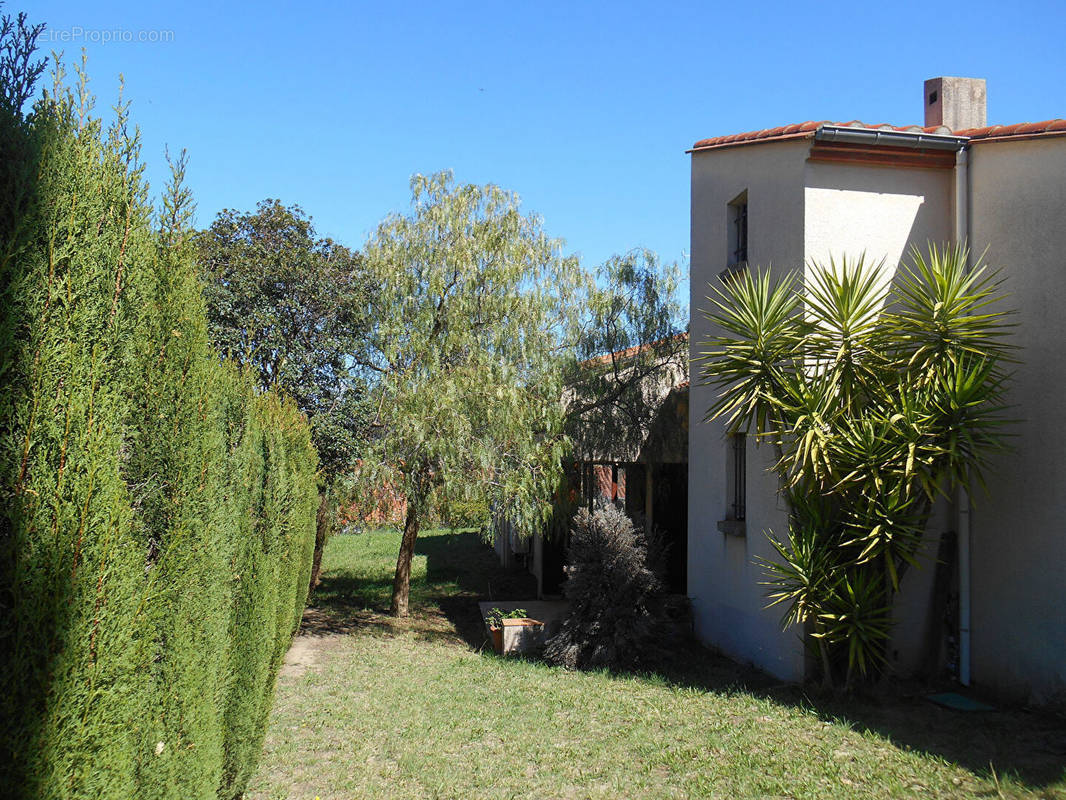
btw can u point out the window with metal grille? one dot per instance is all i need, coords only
(738, 231)
(740, 489)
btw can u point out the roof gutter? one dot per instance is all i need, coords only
(871, 137)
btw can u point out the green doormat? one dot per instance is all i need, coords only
(958, 702)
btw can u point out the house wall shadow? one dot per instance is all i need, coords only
(1028, 744)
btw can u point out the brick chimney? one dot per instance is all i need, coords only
(957, 103)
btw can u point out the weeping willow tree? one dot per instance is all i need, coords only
(632, 350)
(473, 310)
(878, 395)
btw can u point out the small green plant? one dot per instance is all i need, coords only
(495, 617)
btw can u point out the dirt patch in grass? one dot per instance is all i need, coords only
(306, 652)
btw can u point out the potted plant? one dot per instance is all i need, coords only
(512, 631)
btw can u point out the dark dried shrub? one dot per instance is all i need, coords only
(610, 587)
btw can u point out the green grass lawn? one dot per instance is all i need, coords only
(373, 707)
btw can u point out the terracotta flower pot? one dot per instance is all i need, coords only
(522, 635)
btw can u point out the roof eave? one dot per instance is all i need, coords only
(764, 140)
(1017, 137)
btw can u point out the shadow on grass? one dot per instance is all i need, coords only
(461, 570)
(1029, 745)
(468, 571)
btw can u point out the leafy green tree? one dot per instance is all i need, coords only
(878, 395)
(631, 346)
(291, 307)
(475, 312)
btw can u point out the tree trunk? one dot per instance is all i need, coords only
(323, 522)
(401, 584)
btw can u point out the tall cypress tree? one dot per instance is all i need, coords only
(159, 512)
(73, 259)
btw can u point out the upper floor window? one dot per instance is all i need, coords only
(738, 231)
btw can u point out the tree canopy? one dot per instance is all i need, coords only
(632, 349)
(292, 307)
(475, 310)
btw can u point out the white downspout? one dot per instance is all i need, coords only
(962, 498)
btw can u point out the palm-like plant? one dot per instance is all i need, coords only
(878, 393)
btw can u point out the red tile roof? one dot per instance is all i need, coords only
(622, 355)
(805, 130)
(1024, 129)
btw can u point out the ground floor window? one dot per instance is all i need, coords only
(738, 453)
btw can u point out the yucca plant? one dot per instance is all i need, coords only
(878, 393)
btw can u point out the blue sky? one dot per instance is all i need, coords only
(585, 110)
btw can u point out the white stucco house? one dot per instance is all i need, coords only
(785, 196)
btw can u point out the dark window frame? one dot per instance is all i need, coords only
(739, 506)
(736, 499)
(736, 255)
(739, 222)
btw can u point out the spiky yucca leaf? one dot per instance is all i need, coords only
(859, 615)
(800, 574)
(944, 308)
(842, 305)
(755, 351)
(970, 417)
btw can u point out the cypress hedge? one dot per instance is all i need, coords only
(158, 512)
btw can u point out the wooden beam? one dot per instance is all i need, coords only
(847, 153)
